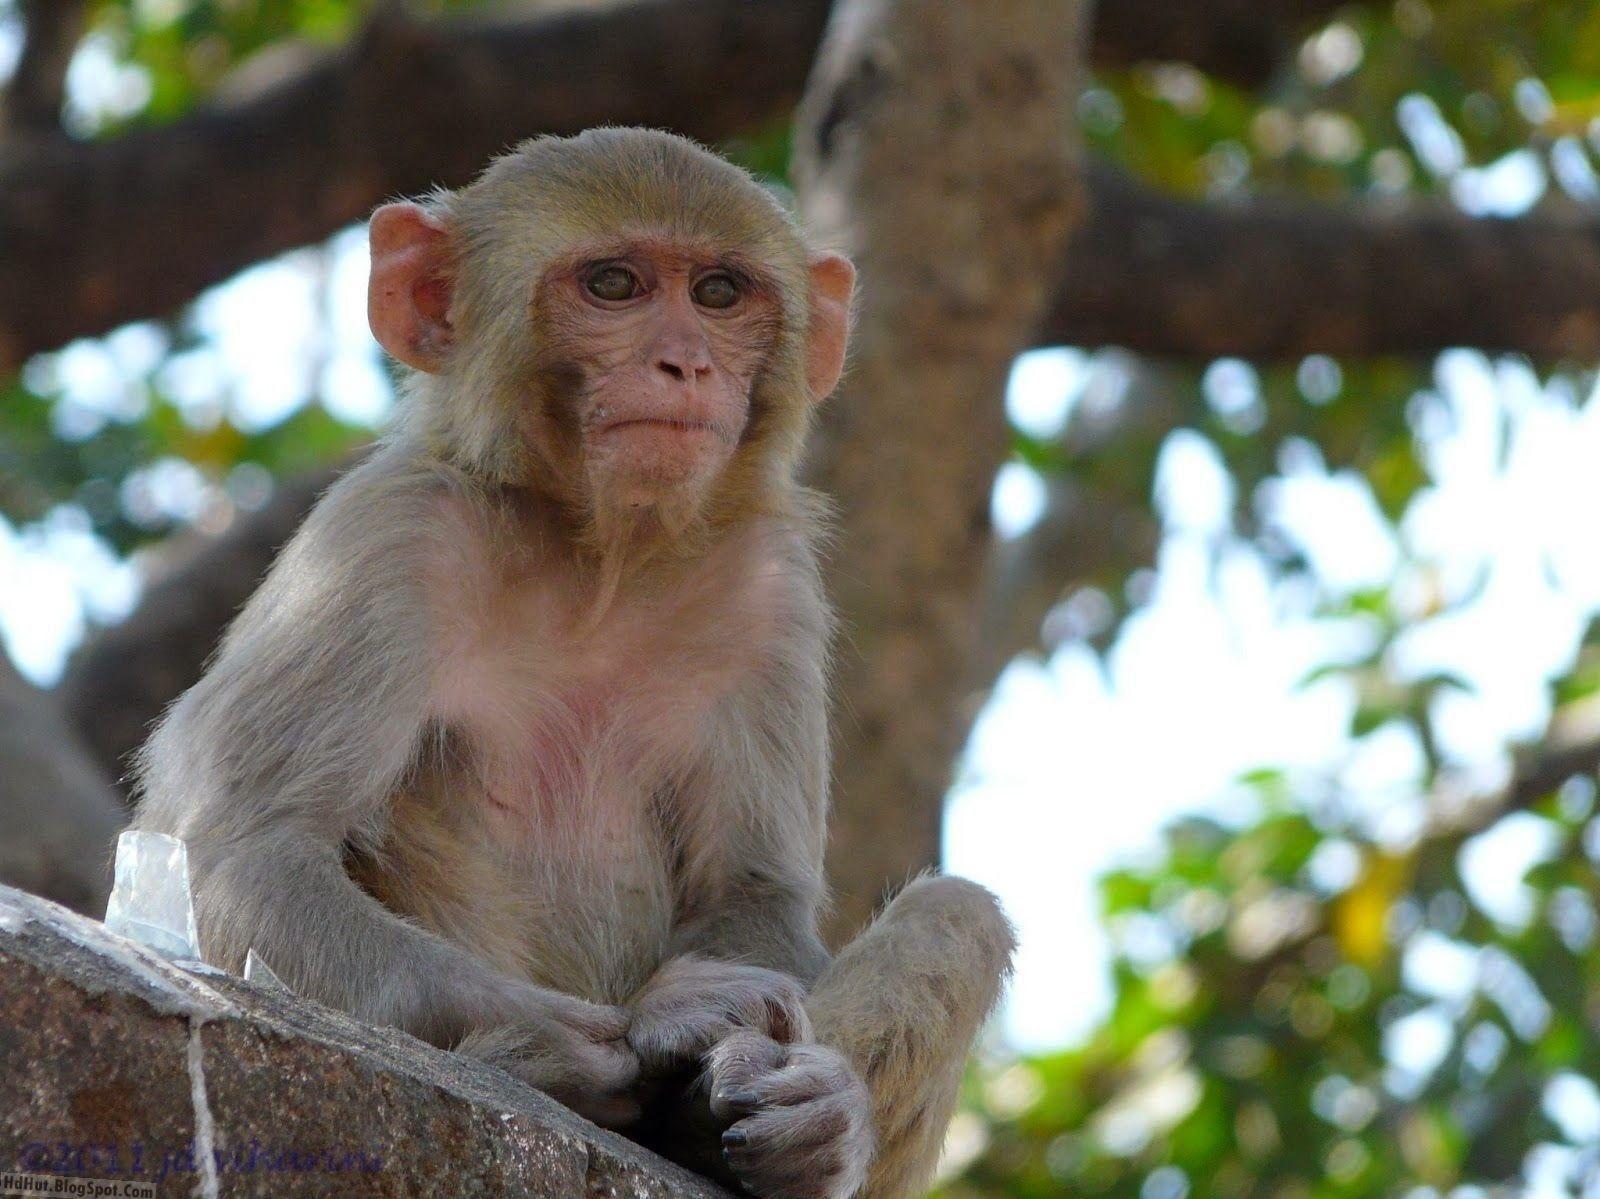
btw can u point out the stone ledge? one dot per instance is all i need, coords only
(117, 1065)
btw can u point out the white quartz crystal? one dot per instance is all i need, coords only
(150, 900)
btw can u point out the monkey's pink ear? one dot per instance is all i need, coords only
(833, 281)
(408, 293)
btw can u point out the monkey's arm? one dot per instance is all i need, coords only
(288, 748)
(287, 753)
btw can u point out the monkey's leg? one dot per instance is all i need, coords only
(903, 1002)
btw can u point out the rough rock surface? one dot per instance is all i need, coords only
(117, 1065)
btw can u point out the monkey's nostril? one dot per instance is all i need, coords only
(672, 368)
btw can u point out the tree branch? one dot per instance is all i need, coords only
(1271, 279)
(1264, 279)
(98, 234)
(1538, 771)
(1087, 534)
(1080, 538)
(102, 233)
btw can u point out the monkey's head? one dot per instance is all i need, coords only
(620, 320)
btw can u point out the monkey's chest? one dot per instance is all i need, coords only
(569, 748)
(591, 910)
(547, 859)
(582, 764)
(563, 802)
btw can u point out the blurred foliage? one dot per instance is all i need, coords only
(1388, 98)
(108, 472)
(1306, 1001)
(1308, 998)
(185, 49)
(1283, 1026)
(1306, 1004)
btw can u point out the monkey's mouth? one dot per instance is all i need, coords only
(672, 428)
(661, 422)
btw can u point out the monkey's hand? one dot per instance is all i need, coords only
(573, 1051)
(692, 1003)
(802, 1117)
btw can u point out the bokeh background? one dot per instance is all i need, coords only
(1288, 780)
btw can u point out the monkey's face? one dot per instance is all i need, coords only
(620, 321)
(662, 343)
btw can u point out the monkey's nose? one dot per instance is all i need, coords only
(686, 360)
(681, 370)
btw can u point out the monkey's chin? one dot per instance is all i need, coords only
(644, 463)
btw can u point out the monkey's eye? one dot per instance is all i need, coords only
(716, 291)
(613, 283)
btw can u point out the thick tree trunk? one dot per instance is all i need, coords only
(936, 146)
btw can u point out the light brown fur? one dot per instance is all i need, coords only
(522, 744)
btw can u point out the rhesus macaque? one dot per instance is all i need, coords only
(522, 744)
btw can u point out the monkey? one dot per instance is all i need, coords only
(522, 744)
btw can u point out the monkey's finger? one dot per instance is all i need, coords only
(787, 1020)
(671, 1037)
(791, 1154)
(596, 1021)
(734, 1066)
(610, 1068)
(766, 1001)
(814, 1124)
(808, 1072)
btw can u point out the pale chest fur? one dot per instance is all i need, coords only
(565, 732)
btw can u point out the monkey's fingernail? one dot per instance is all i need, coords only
(735, 1138)
(742, 1097)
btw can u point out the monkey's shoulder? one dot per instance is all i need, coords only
(379, 519)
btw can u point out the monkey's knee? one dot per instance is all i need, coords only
(904, 1002)
(958, 917)
(930, 968)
